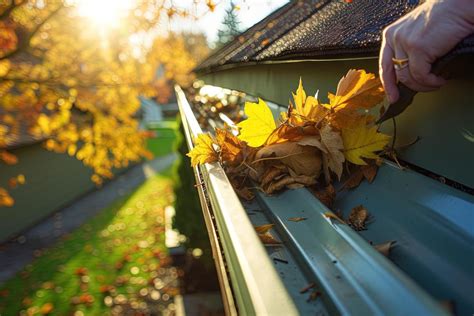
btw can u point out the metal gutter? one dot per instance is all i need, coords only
(257, 288)
(352, 276)
(229, 66)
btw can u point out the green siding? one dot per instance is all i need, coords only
(52, 181)
(442, 119)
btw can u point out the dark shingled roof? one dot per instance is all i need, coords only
(316, 29)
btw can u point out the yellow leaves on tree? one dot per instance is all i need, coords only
(363, 142)
(258, 125)
(203, 151)
(77, 88)
(311, 140)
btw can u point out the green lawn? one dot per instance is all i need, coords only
(115, 263)
(166, 134)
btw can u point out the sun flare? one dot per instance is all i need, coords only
(104, 13)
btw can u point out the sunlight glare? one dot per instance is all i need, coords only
(104, 13)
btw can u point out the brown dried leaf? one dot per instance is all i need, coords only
(290, 182)
(245, 193)
(354, 179)
(230, 146)
(369, 172)
(332, 140)
(273, 173)
(268, 239)
(334, 216)
(384, 248)
(358, 218)
(307, 288)
(327, 196)
(262, 229)
(303, 160)
(297, 219)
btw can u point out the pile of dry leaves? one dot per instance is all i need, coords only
(312, 142)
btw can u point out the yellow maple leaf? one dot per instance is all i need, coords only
(258, 125)
(203, 151)
(357, 90)
(306, 107)
(361, 141)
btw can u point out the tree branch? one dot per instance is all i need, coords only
(12, 6)
(25, 43)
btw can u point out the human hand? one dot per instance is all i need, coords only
(422, 36)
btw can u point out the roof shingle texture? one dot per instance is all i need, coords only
(316, 29)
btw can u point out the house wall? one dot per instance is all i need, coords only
(52, 181)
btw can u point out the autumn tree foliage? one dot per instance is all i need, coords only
(75, 84)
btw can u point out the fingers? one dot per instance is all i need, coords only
(420, 71)
(387, 72)
(416, 73)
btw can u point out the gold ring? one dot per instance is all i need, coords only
(400, 67)
(402, 62)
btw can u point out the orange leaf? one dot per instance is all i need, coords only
(356, 90)
(262, 229)
(230, 146)
(297, 219)
(268, 239)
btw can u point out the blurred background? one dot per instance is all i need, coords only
(98, 210)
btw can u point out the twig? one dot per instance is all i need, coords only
(276, 158)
